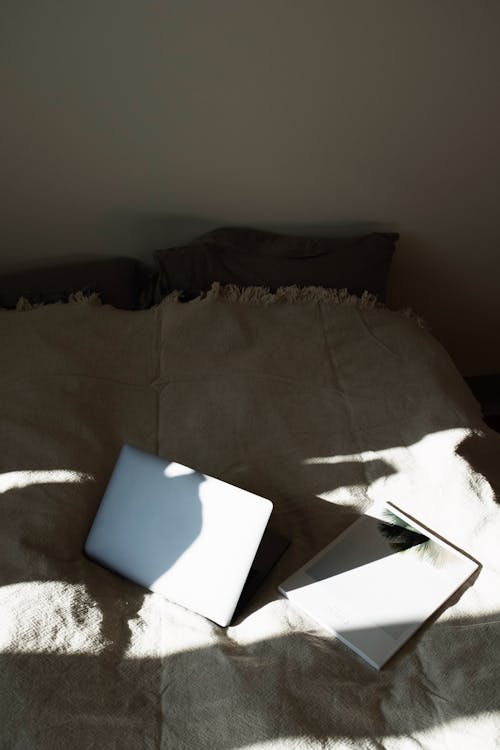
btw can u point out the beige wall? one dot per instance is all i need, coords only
(132, 125)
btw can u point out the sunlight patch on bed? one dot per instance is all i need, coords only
(461, 733)
(283, 743)
(432, 447)
(41, 617)
(429, 478)
(272, 620)
(161, 628)
(15, 480)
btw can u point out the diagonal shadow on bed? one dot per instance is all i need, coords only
(193, 698)
(110, 698)
(118, 599)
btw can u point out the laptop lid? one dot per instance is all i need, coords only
(185, 535)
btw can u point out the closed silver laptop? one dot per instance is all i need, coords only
(180, 533)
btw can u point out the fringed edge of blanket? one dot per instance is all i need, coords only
(75, 298)
(258, 295)
(249, 295)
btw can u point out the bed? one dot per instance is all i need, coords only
(323, 401)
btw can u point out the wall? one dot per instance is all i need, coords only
(132, 125)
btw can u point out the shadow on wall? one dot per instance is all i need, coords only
(142, 234)
(455, 309)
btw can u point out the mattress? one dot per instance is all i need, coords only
(324, 403)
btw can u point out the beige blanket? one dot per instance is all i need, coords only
(325, 408)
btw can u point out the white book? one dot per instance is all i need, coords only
(378, 582)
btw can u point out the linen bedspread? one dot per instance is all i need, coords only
(325, 408)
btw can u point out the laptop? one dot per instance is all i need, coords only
(185, 535)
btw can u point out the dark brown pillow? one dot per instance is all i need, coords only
(121, 282)
(252, 257)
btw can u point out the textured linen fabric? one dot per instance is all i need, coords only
(324, 408)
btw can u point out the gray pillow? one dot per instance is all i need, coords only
(252, 257)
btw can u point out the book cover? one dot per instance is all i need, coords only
(378, 582)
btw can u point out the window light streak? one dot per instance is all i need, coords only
(20, 479)
(428, 446)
